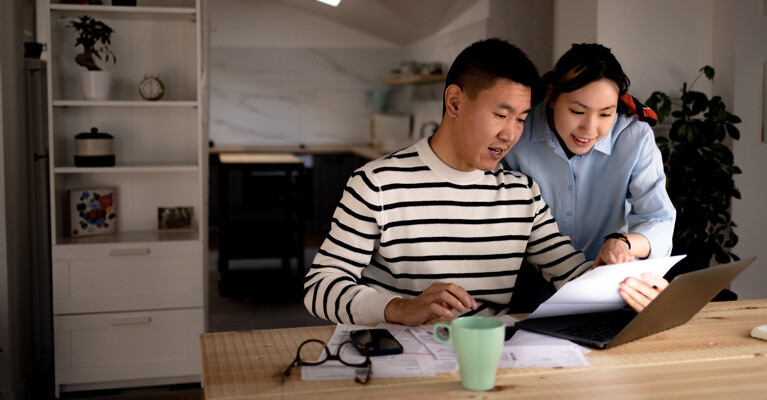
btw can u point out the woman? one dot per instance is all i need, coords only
(598, 169)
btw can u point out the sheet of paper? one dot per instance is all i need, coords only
(425, 335)
(401, 365)
(597, 289)
(542, 356)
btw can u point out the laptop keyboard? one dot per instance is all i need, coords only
(599, 330)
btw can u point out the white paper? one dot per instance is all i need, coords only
(542, 356)
(597, 289)
(394, 366)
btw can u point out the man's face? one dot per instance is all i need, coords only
(490, 125)
(584, 116)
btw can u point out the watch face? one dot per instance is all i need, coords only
(151, 88)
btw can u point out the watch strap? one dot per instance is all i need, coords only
(620, 237)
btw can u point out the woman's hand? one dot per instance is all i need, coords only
(638, 293)
(613, 251)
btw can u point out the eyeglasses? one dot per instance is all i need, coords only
(308, 351)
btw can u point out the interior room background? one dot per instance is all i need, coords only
(281, 75)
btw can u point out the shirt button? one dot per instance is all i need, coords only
(570, 188)
(569, 213)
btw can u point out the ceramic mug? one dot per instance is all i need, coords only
(478, 342)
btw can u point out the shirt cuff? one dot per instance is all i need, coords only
(369, 307)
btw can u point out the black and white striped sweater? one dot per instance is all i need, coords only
(408, 220)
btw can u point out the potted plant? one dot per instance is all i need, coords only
(95, 38)
(699, 174)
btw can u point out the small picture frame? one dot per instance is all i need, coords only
(92, 212)
(175, 218)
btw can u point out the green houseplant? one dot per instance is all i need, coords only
(699, 174)
(95, 38)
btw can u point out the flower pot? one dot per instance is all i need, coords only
(95, 84)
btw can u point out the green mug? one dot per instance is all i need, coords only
(478, 342)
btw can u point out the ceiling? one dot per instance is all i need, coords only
(397, 21)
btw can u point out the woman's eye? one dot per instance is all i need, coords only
(606, 115)
(576, 112)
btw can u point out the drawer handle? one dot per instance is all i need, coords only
(130, 321)
(128, 252)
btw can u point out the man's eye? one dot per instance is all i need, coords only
(501, 116)
(521, 120)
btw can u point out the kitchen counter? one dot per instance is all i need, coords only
(363, 150)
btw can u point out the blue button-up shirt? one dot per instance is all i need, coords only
(619, 186)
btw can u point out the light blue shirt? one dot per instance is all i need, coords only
(619, 186)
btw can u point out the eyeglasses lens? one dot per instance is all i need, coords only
(313, 352)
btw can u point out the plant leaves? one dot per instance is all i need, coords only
(708, 71)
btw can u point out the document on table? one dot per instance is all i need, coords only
(424, 356)
(597, 289)
(415, 359)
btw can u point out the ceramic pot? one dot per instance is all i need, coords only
(95, 84)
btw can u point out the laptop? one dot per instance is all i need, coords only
(677, 304)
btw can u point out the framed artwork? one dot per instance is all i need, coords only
(174, 218)
(92, 212)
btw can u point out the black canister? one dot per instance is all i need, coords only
(94, 149)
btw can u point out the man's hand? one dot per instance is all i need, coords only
(639, 293)
(438, 300)
(613, 251)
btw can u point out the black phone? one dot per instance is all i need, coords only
(378, 342)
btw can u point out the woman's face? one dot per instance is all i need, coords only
(584, 116)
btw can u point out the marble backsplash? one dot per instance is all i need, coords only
(293, 95)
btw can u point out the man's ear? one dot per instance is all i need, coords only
(453, 99)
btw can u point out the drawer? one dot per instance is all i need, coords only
(127, 283)
(113, 347)
(136, 249)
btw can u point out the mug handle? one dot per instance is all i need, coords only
(449, 332)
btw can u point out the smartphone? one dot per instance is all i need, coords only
(378, 342)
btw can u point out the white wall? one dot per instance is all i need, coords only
(750, 44)
(281, 76)
(258, 23)
(661, 44)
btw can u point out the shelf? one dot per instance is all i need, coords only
(123, 9)
(123, 169)
(130, 237)
(124, 103)
(416, 79)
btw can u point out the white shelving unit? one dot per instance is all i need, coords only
(129, 307)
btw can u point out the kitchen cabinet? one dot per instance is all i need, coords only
(128, 307)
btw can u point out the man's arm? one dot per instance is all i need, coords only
(332, 288)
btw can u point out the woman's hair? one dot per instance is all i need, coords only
(480, 65)
(582, 64)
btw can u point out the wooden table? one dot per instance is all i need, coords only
(712, 356)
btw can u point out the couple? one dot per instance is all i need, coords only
(441, 229)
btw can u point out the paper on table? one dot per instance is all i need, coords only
(597, 289)
(401, 365)
(542, 356)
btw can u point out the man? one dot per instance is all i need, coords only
(440, 227)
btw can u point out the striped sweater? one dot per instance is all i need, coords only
(408, 220)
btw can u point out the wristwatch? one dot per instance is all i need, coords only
(620, 237)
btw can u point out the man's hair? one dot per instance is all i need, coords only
(479, 66)
(582, 64)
